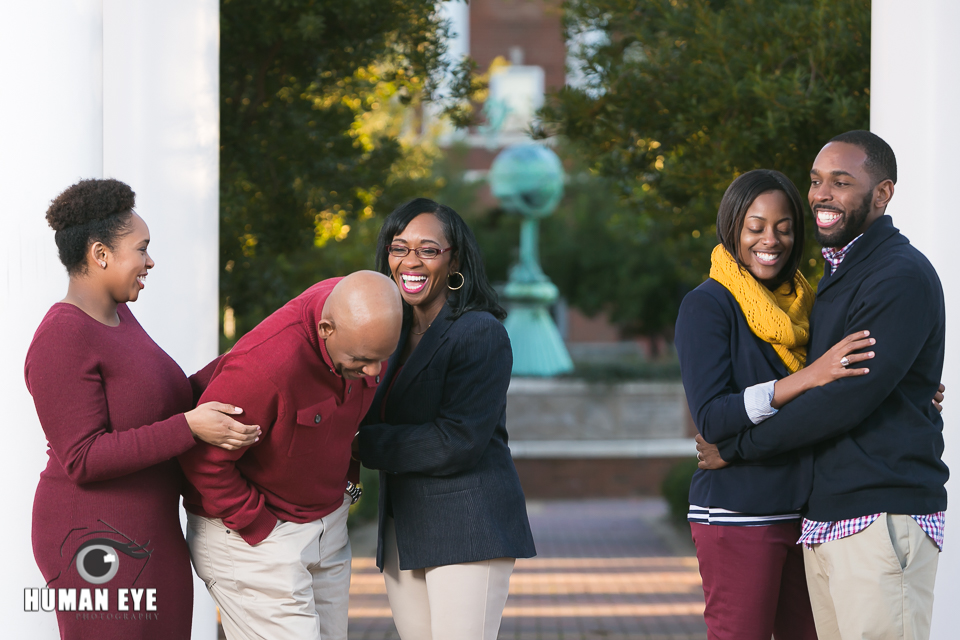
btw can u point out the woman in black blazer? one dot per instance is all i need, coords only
(739, 335)
(452, 513)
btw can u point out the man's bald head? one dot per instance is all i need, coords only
(360, 323)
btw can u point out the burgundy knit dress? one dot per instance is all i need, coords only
(106, 513)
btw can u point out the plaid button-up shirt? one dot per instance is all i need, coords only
(815, 532)
(835, 256)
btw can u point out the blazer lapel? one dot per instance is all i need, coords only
(878, 234)
(421, 356)
(771, 355)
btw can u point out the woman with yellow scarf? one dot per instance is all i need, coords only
(742, 338)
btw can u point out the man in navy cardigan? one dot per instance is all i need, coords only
(874, 520)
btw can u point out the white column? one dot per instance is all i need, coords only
(915, 87)
(161, 136)
(161, 133)
(101, 88)
(51, 135)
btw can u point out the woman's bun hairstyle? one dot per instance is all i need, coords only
(89, 211)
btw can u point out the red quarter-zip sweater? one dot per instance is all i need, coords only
(283, 378)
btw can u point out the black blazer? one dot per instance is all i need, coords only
(720, 357)
(442, 450)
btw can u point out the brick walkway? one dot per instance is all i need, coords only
(606, 569)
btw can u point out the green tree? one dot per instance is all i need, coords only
(681, 97)
(320, 136)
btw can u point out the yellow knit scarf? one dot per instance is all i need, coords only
(779, 317)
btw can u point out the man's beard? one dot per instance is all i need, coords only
(852, 224)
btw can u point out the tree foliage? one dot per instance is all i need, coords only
(682, 96)
(320, 136)
(588, 247)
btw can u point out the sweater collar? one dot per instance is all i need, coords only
(311, 310)
(835, 256)
(880, 232)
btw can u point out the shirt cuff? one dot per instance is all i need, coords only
(757, 400)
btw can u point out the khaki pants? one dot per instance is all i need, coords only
(293, 584)
(451, 602)
(875, 584)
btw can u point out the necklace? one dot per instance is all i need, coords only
(422, 332)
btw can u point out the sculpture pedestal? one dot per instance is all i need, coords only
(538, 349)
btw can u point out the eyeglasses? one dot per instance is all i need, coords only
(424, 253)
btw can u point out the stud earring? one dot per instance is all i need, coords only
(103, 264)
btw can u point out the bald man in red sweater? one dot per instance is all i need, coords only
(267, 523)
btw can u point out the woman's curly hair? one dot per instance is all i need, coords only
(87, 212)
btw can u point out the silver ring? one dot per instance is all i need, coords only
(699, 457)
(844, 362)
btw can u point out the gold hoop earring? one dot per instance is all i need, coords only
(462, 280)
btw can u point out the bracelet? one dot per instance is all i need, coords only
(355, 491)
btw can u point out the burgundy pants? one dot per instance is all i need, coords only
(753, 582)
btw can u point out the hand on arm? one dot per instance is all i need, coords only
(938, 398)
(831, 410)
(708, 456)
(212, 470)
(826, 368)
(63, 375)
(212, 423)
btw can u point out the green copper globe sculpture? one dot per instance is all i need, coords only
(528, 181)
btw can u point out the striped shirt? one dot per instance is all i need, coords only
(716, 515)
(819, 532)
(758, 401)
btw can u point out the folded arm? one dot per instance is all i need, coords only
(829, 411)
(224, 492)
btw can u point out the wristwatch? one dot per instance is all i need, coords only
(355, 492)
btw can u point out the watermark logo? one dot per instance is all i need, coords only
(97, 555)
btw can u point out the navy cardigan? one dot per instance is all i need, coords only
(720, 357)
(878, 437)
(442, 451)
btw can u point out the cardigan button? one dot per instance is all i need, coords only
(317, 418)
(378, 379)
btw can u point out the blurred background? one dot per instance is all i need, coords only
(334, 113)
(267, 141)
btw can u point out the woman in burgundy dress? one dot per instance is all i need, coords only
(116, 411)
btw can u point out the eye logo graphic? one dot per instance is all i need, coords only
(97, 557)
